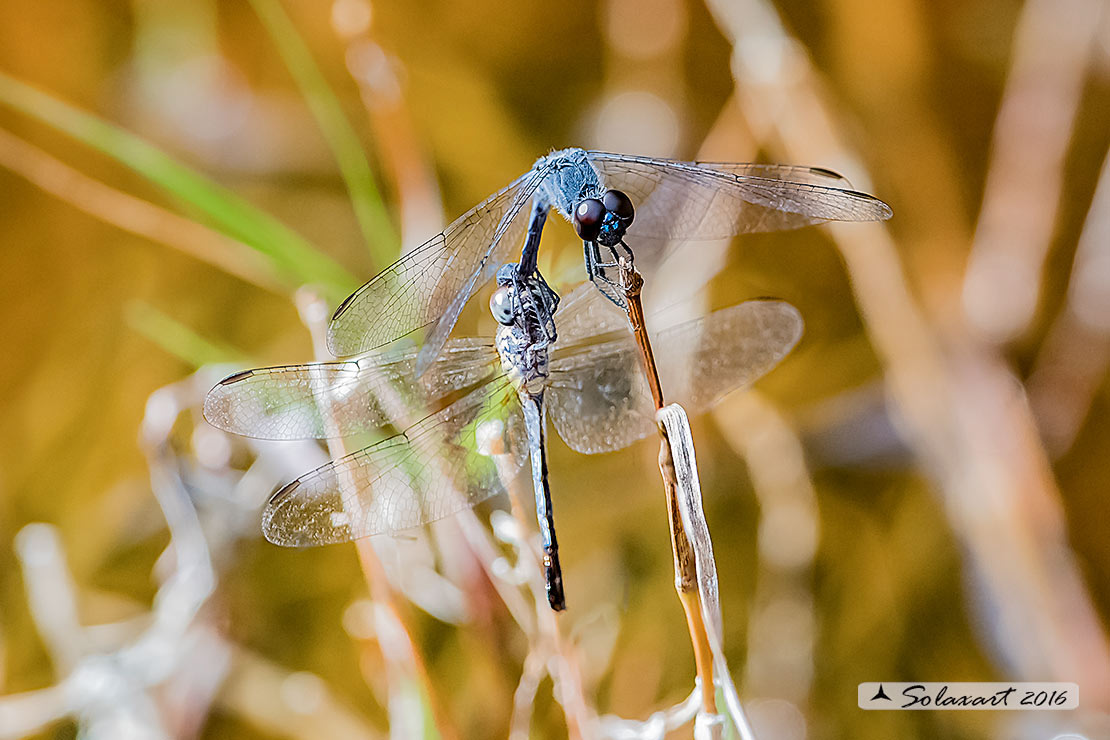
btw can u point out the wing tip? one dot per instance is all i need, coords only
(273, 528)
(216, 400)
(885, 211)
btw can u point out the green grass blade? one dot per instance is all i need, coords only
(373, 218)
(292, 255)
(178, 339)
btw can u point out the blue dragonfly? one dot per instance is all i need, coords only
(588, 382)
(612, 199)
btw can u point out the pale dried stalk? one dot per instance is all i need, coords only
(135, 215)
(1076, 352)
(402, 654)
(549, 653)
(788, 534)
(959, 411)
(1053, 49)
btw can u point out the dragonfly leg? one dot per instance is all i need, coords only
(533, 295)
(595, 270)
(550, 303)
(530, 253)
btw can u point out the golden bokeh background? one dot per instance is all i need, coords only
(916, 493)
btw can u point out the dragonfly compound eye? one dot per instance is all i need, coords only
(620, 204)
(501, 305)
(587, 219)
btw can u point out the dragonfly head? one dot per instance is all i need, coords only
(604, 220)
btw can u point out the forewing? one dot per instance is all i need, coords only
(692, 201)
(431, 471)
(339, 399)
(419, 287)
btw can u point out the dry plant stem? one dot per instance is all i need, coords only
(314, 313)
(686, 579)
(135, 215)
(1073, 358)
(1053, 48)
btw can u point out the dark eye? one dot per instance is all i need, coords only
(617, 202)
(587, 219)
(501, 306)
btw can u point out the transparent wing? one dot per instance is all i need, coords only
(598, 397)
(714, 200)
(583, 314)
(338, 399)
(418, 288)
(793, 173)
(431, 471)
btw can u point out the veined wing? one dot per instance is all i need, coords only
(429, 472)
(419, 287)
(696, 201)
(583, 315)
(791, 172)
(598, 397)
(323, 400)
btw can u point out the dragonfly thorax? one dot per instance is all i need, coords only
(522, 338)
(572, 179)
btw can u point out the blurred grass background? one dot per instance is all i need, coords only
(466, 96)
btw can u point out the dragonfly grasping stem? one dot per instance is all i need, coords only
(686, 583)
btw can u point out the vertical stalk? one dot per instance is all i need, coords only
(686, 581)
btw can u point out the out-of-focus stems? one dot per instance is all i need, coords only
(686, 577)
(250, 690)
(402, 655)
(956, 400)
(1075, 354)
(404, 161)
(137, 216)
(1053, 48)
(788, 533)
(291, 254)
(373, 218)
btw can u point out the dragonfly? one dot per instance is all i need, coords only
(588, 382)
(612, 199)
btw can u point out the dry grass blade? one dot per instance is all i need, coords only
(406, 664)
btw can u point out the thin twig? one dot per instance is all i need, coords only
(686, 578)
